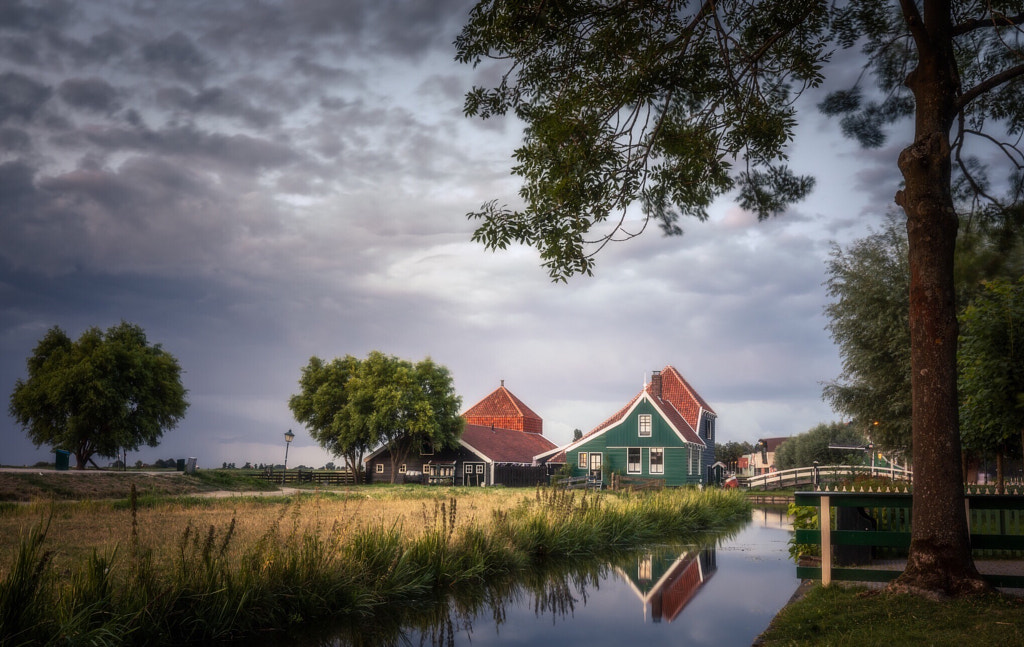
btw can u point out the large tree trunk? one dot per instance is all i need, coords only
(940, 553)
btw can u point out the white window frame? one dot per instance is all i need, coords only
(644, 424)
(401, 468)
(652, 467)
(467, 468)
(583, 460)
(380, 468)
(479, 468)
(634, 467)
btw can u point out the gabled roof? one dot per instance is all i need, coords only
(771, 444)
(683, 397)
(503, 409)
(679, 404)
(504, 445)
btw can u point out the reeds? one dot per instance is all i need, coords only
(216, 586)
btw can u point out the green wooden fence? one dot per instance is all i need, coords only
(996, 523)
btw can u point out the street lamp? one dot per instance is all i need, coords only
(288, 438)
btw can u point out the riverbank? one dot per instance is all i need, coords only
(859, 616)
(238, 566)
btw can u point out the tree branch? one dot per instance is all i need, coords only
(997, 20)
(989, 84)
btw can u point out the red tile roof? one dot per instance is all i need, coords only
(679, 403)
(505, 445)
(504, 410)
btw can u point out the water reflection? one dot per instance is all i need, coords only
(723, 592)
(666, 579)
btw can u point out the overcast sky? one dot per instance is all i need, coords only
(257, 183)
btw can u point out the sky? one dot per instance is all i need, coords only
(256, 183)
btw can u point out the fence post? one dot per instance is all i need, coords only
(825, 523)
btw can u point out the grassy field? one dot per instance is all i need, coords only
(161, 570)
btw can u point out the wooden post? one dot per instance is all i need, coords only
(825, 523)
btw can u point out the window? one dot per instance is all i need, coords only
(401, 468)
(467, 469)
(694, 462)
(479, 469)
(633, 460)
(644, 424)
(583, 460)
(595, 462)
(656, 461)
(380, 468)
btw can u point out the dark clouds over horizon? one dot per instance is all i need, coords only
(256, 183)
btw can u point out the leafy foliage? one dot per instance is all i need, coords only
(813, 445)
(105, 392)
(702, 103)
(991, 360)
(869, 283)
(352, 406)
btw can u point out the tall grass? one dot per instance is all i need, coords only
(214, 586)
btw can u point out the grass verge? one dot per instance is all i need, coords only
(842, 616)
(309, 559)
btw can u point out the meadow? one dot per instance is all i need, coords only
(156, 570)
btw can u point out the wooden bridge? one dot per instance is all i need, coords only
(817, 474)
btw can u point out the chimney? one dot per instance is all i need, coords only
(656, 384)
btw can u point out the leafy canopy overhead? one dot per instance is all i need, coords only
(701, 103)
(105, 392)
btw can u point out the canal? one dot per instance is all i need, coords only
(725, 593)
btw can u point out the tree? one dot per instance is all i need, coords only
(105, 392)
(813, 445)
(652, 102)
(577, 434)
(407, 406)
(991, 359)
(731, 452)
(322, 405)
(869, 283)
(351, 406)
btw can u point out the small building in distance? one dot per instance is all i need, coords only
(762, 460)
(499, 440)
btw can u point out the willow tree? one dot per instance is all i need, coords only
(670, 104)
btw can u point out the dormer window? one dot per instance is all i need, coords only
(644, 425)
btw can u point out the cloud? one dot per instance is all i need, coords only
(89, 94)
(178, 55)
(21, 97)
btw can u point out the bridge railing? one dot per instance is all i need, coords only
(996, 523)
(813, 475)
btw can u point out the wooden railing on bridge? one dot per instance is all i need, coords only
(822, 473)
(320, 477)
(996, 523)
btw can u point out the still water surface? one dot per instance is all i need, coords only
(721, 595)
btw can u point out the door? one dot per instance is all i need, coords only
(595, 464)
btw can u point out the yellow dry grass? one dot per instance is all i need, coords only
(78, 528)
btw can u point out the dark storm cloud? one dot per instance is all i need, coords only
(219, 101)
(21, 96)
(89, 94)
(15, 140)
(178, 55)
(21, 16)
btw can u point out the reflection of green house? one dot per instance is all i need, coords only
(666, 580)
(667, 431)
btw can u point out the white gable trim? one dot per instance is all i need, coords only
(625, 414)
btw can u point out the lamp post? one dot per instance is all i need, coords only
(288, 438)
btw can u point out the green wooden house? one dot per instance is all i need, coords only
(667, 431)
